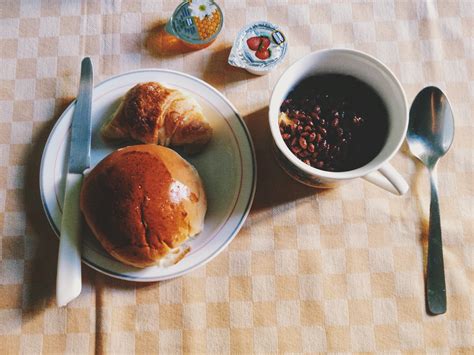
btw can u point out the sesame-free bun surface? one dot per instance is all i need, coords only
(141, 201)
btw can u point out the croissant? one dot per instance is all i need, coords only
(153, 113)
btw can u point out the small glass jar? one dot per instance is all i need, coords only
(196, 23)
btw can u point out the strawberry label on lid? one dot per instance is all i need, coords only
(258, 48)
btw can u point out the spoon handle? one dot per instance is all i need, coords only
(435, 282)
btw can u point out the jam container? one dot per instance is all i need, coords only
(258, 48)
(196, 23)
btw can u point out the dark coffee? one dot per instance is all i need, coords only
(334, 122)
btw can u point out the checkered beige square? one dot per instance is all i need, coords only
(327, 271)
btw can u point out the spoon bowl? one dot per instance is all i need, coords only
(430, 135)
(431, 127)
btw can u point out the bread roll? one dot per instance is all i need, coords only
(153, 113)
(141, 201)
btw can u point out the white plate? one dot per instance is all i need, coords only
(226, 166)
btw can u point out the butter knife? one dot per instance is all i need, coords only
(68, 280)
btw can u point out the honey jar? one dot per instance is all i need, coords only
(196, 23)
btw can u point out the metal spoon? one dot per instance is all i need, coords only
(430, 134)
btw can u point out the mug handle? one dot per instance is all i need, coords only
(388, 179)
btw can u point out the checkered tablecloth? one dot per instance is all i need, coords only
(311, 271)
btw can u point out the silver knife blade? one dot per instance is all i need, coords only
(80, 152)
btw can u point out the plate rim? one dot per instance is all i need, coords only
(229, 238)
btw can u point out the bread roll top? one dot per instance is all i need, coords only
(142, 201)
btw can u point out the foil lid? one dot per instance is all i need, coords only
(243, 56)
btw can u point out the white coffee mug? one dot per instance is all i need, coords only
(372, 72)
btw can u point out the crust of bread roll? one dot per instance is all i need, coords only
(142, 201)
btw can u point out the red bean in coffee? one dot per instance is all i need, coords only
(334, 122)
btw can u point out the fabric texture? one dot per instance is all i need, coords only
(337, 270)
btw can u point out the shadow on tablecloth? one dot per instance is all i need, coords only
(40, 267)
(160, 43)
